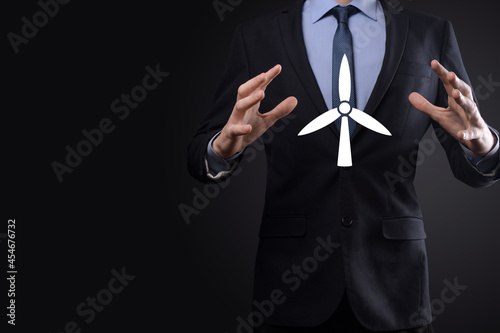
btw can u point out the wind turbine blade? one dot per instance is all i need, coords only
(321, 121)
(344, 158)
(344, 80)
(369, 122)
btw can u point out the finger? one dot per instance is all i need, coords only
(281, 110)
(247, 88)
(423, 105)
(467, 104)
(261, 81)
(442, 73)
(239, 130)
(457, 83)
(244, 104)
(270, 75)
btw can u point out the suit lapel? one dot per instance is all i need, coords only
(293, 39)
(396, 33)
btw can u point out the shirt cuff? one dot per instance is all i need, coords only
(218, 166)
(486, 163)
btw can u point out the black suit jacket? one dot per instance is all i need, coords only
(369, 216)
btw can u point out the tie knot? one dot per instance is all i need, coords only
(342, 14)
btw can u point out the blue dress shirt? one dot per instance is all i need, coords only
(368, 40)
(368, 29)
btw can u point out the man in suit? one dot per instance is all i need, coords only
(364, 229)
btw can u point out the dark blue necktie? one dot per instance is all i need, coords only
(342, 45)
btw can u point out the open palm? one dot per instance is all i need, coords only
(246, 124)
(461, 118)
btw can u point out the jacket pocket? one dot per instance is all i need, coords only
(409, 228)
(283, 226)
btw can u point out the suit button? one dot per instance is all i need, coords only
(347, 221)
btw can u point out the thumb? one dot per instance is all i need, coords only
(282, 109)
(423, 105)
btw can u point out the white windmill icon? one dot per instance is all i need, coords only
(344, 110)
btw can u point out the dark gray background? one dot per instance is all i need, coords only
(119, 208)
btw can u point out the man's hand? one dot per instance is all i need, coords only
(246, 124)
(461, 118)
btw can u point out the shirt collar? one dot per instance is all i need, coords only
(320, 7)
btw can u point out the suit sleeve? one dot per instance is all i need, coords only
(462, 167)
(235, 74)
